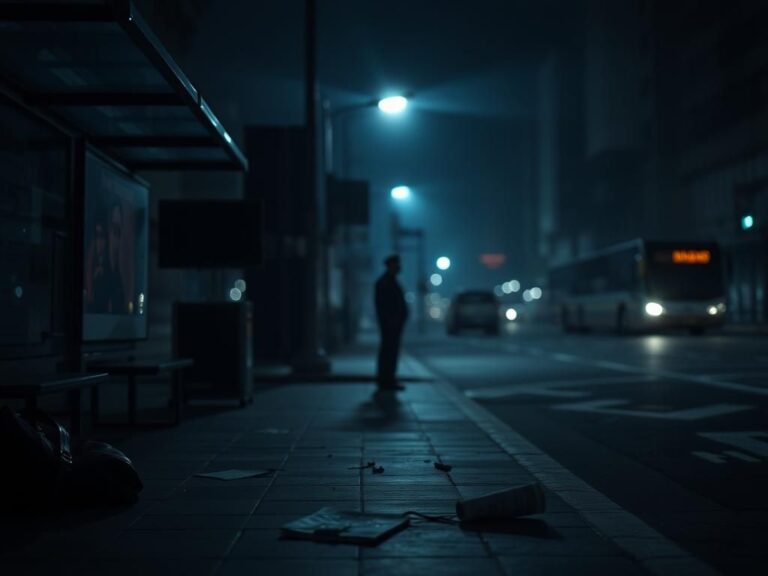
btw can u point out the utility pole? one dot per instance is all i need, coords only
(310, 359)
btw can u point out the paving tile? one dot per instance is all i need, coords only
(198, 482)
(268, 521)
(288, 480)
(413, 542)
(407, 479)
(313, 567)
(401, 506)
(123, 567)
(409, 492)
(301, 508)
(571, 565)
(425, 566)
(170, 544)
(189, 522)
(219, 490)
(67, 545)
(329, 493)
(268, 544)
(190, 506)
(555, 542)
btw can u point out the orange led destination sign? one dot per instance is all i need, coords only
(691, 256)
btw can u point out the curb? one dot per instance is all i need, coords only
(638, 540)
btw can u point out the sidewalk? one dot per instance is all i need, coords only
(314, 435)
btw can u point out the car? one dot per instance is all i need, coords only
(475, 309)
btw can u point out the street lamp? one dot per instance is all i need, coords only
(390, 106)
(400, 193)
(393, 104)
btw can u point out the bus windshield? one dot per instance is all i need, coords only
(674, 274)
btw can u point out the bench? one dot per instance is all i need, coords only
(134, 368)
(29, 388)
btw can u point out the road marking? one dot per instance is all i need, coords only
(688, 414)
(746, 441)
(762, 374)
(709, 457)
(706, 380)
(741, 456)
(552, 388)
(610, 365)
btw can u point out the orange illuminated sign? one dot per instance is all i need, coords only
(691, 256)
(493, 261)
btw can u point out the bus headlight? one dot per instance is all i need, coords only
(654, 309)
(716, 309)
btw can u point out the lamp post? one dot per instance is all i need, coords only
(400, 194)
(391, 105)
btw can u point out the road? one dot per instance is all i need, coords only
(673, 428)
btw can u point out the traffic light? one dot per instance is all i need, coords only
(747, 221)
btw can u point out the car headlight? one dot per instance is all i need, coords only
(712, 310)
(654, 309)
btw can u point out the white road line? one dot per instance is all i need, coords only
(742, 456)
(706, 380)
(709, 457)
(755, 442)
(608, 406)
(552, 388)
(731, 375)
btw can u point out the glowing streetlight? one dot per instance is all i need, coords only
(443, 262)
(393, 104)
(400, 193)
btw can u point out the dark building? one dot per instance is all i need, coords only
(656, 128)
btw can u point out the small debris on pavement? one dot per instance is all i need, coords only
(443, 467)
(378, 470)
(370, 464)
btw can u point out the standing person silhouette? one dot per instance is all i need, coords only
(391, 312)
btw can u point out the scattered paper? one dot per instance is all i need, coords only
(234, 474)
(331, 525)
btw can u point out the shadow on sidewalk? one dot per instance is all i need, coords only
(530, 527)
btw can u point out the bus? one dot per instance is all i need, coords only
(642, 285)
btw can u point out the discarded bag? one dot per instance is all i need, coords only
(40, 470)
(36, 456)
(504, 504)
(102, 475)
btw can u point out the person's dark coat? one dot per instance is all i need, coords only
(391, 310)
